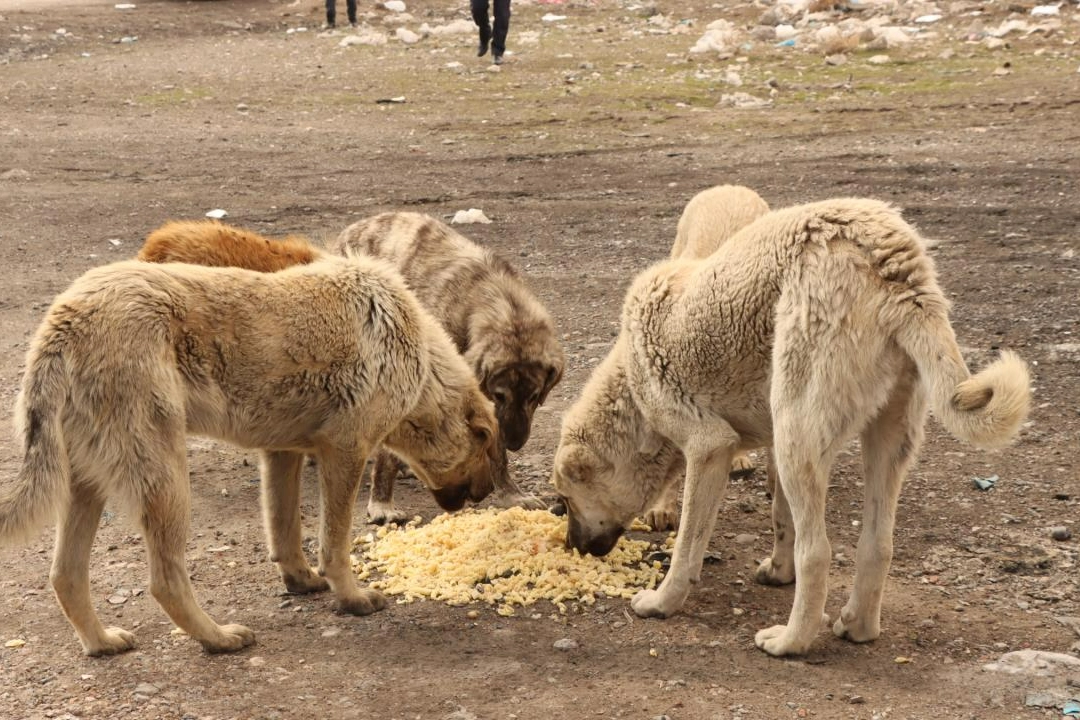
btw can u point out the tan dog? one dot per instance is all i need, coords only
(331, 359)
(708, 220)
(208, 242)
(505, 335)
(809, 326)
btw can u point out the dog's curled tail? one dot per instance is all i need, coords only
(42, 485)
(985, 409)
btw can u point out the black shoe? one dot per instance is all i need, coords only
(485, 39)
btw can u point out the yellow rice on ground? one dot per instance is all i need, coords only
(510, 557)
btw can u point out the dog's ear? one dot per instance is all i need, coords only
(551, 379)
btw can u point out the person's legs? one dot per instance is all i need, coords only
(350, 6)
(502, 25)
(480, 17)
(331, 12)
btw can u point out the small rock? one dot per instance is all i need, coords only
(879, 60)
(241, 107)
(856, 700)
(394, 6)
(472, 215)
(216, 214)
(147, 689)
(745, 539)
(1060, 533)
(331, 632)
(16, 643)
(284, 604)
(565, 644)
(257, 661)
(838, 59)
(15, 174)
(1034, 662)
(406, 36)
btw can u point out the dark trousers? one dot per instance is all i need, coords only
(502, 21)
(331, 11)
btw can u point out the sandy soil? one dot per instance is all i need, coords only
(583, 150)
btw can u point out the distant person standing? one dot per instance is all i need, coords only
(496, 39)
(331, 12)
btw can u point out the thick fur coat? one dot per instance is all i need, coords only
(330, 359)
(811, 325)
(209, 242)
(504, 333)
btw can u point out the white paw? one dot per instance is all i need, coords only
(662, 519)
(769, 574)
(653, 603)
(115, 640)
(512, 498)
(854, 629)
(742, 465)
(777, 641)
(385, 513)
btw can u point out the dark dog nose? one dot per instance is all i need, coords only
(451, 498)
(598, 545)
(514, 435)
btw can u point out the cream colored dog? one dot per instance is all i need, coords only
(708, 220)
(505, 335)
(811, 325)
(331, 358)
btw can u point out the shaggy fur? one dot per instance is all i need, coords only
(708, 220)
(498, 325)
(809, 326)
(331, 359)
(208, 242)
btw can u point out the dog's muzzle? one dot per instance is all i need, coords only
(589, 544)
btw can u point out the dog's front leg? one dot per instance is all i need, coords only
(280, 473)
(340, 472)
(706, 480)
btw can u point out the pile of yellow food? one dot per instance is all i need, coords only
(505, 557)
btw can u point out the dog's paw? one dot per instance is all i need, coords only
(516, 498)
(364, 602)
(770, 574)
(385, 513)
(232, 638)
(778, 641)
(741, 465)
(115, 640)
(662, 519)
(850, 626)
(304, 581)
(653, 603)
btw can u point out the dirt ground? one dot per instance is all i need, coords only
(583, 150)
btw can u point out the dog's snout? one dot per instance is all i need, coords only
(451, 498)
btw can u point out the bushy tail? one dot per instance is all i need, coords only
(985, 409)
(42, 485)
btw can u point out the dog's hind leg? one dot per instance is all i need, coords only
(340, 472)
(384, 472)
(707, 467)
(889, 444)
(779, 568)
(70, 575)
(166, 520)
(281, 515)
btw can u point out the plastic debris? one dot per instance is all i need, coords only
(552, 17)
(470, 216)
(114, 242)
(926, 19)
(790, 42)
(17, 643)
(124, 6)
(216, 214)
(985, 483)
(391, 101)
(1071, 709)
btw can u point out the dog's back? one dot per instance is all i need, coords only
(712, 217)
(211, 243)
